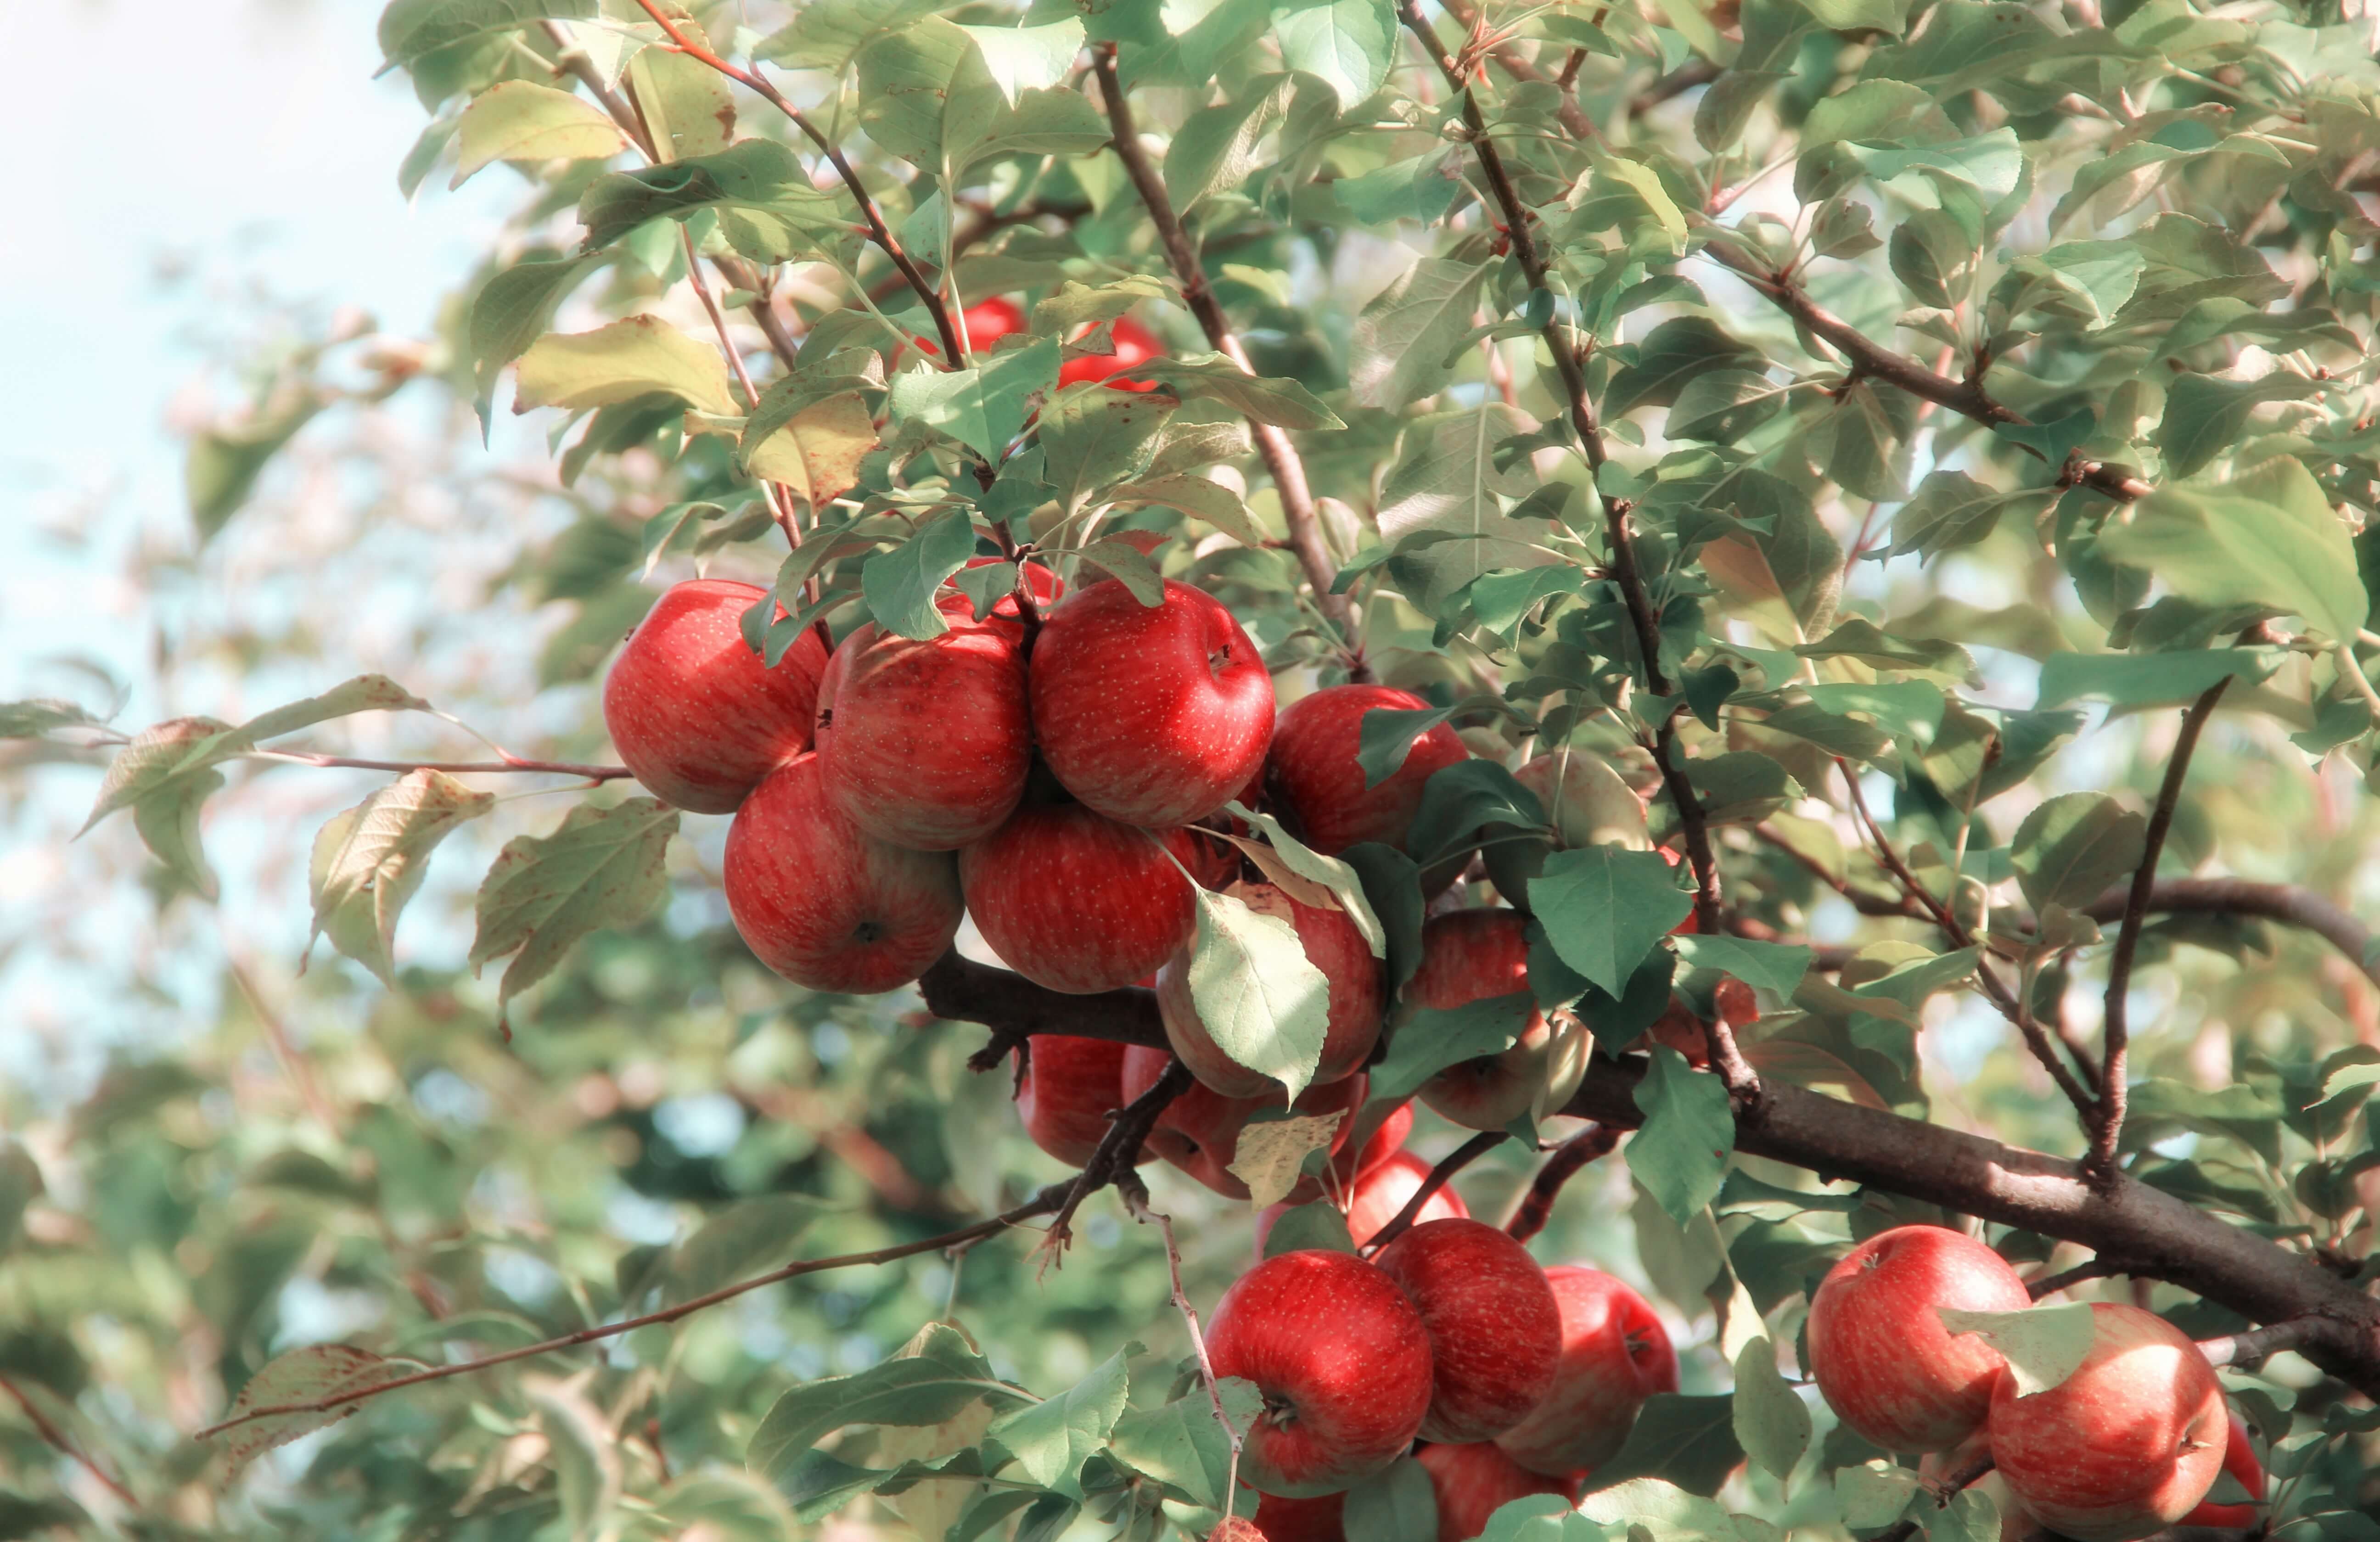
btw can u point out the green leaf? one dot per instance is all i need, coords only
(739, 1241)
(41, 715)
(517, 120)
(2074, 846)
(1874, 1493)
(368, 861)
(307, 1375)
(409, 29)
(1128, 566)
(1214, 150)
(1426, 1040)
(2149, 679)
(1348, 45)
(1422, 188)
(1680, 1153)
(1870, 644)
(900, 584)
(1261, 998)
(635, 356)
(1027, 58)
(1406, 343)
(1605, 908)
(2044, 1344)
(1771, 1423)
(938, 1377)
(1093, 438)
(1767, 965)
(1399, 1505)
(603, 867)
(1860, 15)
(1951, 510)
(1052, 1440)
(2266, 539)
(1386, 736)
(1689, 1441)
(1320, 1224)
(1262, 399)
(1971, 1516)
(913, 77)
(1182, 1445)
(1672, 354)
(20, 1185)
(1334, 874)
(224, 463)
(513, 309)
(2206, 416)
(985, 405)
(1201, 499)
(1446, 481)
(768, 208)
(589, 1470)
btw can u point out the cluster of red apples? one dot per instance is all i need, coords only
(2128, 1444)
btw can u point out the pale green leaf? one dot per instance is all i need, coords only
(2044, 1344)
(518, 120)
(1260, 998)
(633, 357)
(370, 860)
(603, 867)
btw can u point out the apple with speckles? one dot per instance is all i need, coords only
(1615, 1354)
(1471, 1482)
(1069, 1088)
(691, 709)
(1312, 776)
(1075, 901)
(1343, 1360)
(823, 903)
(1495, 1330)
(1877, 1347)
(1334, 946)
(1470, 955)
(1153, 715)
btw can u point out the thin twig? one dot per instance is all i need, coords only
(2252, 1348)
(293, 1064)
(459, 767)
(1463, 1156)
(574, 61)
(1043, 1203)
(2102, 1163)
(1536, 1206)
(49, 1431)
(1135, 1194)
(1118, 1151)
(2081, 1273)
(1280, 456)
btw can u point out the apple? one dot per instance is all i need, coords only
(1153, 715)
(1377, 1196)
(1386, 1141)
(2240, 1461)
(1880, 1353)
(1495, 1330)
(1333, 946)
(825, 903)
(925, 743)
(1343, 1360)
(2126, 1445)
(1280, 1519)
(1615, 1354)
(1937, 1467)
(1473, 1481)
(1076, 901)
(1134, 344)
(1313, 778)
(985, 323)
(1586, 804)
(690, 708)
(1069, 1087)
(1199, 1130)
(1469, 956)
(1236, 1528)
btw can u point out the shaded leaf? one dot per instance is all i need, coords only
(603, 867)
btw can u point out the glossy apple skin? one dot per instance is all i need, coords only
(2126, 1445)
(689, 706)
(1386, 1141)
(1469, 956)
(1615, 1354)
(1473, 1482)
(1495, 1330)
(1332, 945)
(1313, 1520)
(1377, 1194)
(1154, 715)
(1134, 344)
(1199, 1130)
(925, 743)
(1076, 901)
(1880, 1353)
(1313, 778)
(2240, 1461)
(823, 903)
(1069, 1088)
(1345, 1364)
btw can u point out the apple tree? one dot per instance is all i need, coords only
(1388, 771)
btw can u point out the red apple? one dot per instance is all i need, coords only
(1069, 1088)
(1078, 902)
(1134, 344)
(1378, 1195)
(2240, 1461)
(1154, 715)
(823, 903)
(1473, 1482)
(1312, 776)
(1343, 1363)
(1238, 1528)
(1880, 1353)
(1615, 1354)
(1333, 946)
(986, 322)
(925, 743)
(2126, 1445)
(1495, 1331)
(689, 706)
(1313, 1520)
(1693, 923)
(1199, 1130)
(1386, 1141)
(1469, 956)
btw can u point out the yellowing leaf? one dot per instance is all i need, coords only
(633, 357)
(307, 1375)
(1270, 1153)
(518, 120)
(369, 859)
(817, 452)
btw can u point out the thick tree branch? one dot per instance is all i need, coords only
(1537, 1205)
(2273, 901)
(2251, 1349)
(2081, 1273)
(1456, 1161)
(1280, 458)
(2117, 1034)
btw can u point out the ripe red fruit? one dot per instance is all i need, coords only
(1469, 956)
(1881, 1354)
(823, 903)
(1387, 1141)
(2126, 1445)
(1078, 902)
(1134, 344)
(925, 743)
(1378, 1192)
(1473, 1482)
(1199, 1130)
(1495, 1331)
(1343, 1363)
(1315, 1520)
(1332, 945)
(987, 323)
(1154, 715)
(2240, 1461)
(1311, 774)
(1069, 1088)
(1615, 1353)
(1238, 1528)
(1693, 923)
(689, 706)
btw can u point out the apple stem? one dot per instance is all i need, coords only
(1949, 1488)
(1461, 1157)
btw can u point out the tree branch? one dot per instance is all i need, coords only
(2117, 1039)
(2251, 1349)
(2081, 1273)
(48, 1430)
(1947, 1489)
(510, 764)
(2274, 901)
(1119, 1149)
(1536, 1206)
(1273, 445)
(1461, 1157)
